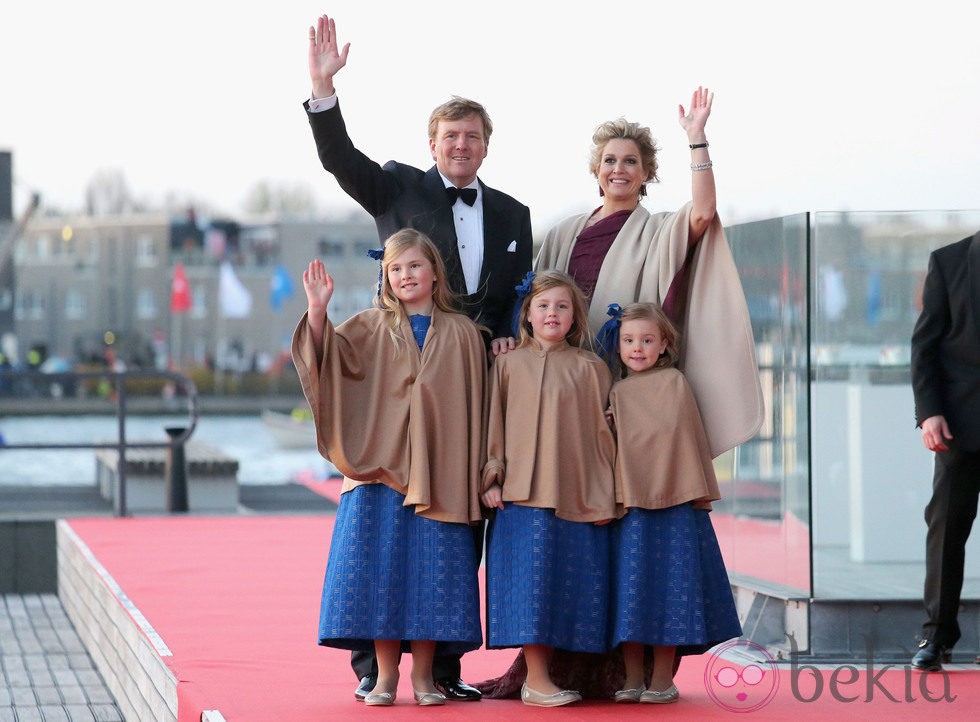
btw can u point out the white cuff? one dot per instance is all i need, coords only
(318, 105)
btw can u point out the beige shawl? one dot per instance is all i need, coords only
(389, 414)
(548, 439)
(718, 353)
(662, 455)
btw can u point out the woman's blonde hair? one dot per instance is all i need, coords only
(579, 334)
(387, 301)
(625, 130)
(653, 312)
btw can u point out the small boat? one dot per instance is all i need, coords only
(294, 430)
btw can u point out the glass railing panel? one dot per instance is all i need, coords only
(871, 477)
(763, 519)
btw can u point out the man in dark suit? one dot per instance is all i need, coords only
(946, 385)
(483, 235)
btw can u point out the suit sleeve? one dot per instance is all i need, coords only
(525, 244)
(930, 328)
(360, 177)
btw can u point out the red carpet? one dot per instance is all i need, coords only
(774, 550)
(329, 487)
(236, 600)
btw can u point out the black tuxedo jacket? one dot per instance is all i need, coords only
(401, 196)
(946, 342)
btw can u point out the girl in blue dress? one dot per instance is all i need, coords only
(397, 395)
(549, 479)
(670, 589)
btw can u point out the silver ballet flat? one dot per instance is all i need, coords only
(379, 699)
(539, 699)
(652, 696)
(629, 696)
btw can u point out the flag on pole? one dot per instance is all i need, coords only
(280, 288)
(234, 299)
(180, 291)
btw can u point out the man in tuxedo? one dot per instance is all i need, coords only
(483, 235)
(946, 385)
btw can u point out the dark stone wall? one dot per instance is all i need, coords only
(28, 557)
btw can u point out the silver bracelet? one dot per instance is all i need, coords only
(701, 166)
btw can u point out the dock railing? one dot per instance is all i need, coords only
(116, 382)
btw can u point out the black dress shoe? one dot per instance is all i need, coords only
(930, 656)
(365, 687)
(456, 690)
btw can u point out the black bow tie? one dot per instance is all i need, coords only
(467, 194)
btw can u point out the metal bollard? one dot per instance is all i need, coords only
(176, 470)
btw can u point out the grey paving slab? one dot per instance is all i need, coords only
(73, 696)
(40, 679)
(54, 713)
(106, 713)
(80, 713)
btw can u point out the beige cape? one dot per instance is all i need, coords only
(662, 455)
(547, 437)
(718, 354)
(410, 420)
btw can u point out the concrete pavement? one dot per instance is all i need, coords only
(46, 675)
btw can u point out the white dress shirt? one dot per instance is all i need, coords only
(469, 235)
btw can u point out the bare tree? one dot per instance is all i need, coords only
(108, 193)
(265, 197)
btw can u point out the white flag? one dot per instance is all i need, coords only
(234, 298)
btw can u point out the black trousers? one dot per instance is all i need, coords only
(444, 666)
(949, 517)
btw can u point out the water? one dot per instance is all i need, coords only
(245, 438)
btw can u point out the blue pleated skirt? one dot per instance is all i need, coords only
(669, 583)
(392, 574)
(547, 581)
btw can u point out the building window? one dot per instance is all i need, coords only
(146, 304)
(29, 306)
(43, 247)
(74, 304)
(146, 251)
(340, 304)
(330, 249)
(65, 247)
(364, 297)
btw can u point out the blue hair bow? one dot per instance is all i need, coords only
(377, 254)
(607, 340)
(522, 290)
(525, 287)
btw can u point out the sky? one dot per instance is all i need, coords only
(819, 106)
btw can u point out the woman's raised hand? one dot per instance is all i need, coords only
(693, 120)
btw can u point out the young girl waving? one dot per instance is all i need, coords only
(397, 396)
(549, 478)
(670, 586)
